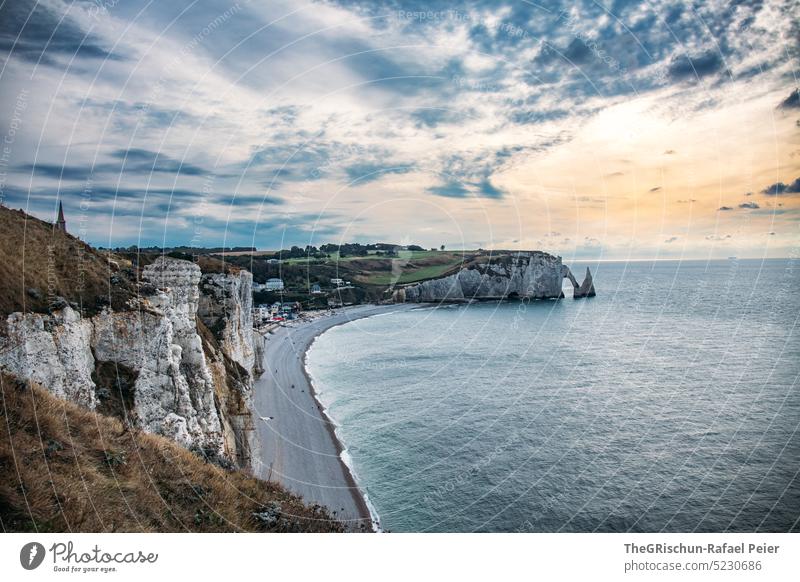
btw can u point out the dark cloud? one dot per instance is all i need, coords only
(146, 161)
(131, 161)
(750, 205)
(104, 200)
(244, 200)
(57, 172)
(487, 190)
(685, 67)
(792, 101)
(305, 160)
(655, 189)
(33, 32)
(365, 172)
(725, 208)
(577, 52)
(450, 190)
(130, 116)
(780, 188)
(671, 239)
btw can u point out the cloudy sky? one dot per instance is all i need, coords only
(594, 129)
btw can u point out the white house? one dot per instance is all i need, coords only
(274, 285)
(261, 313)
(337, 282)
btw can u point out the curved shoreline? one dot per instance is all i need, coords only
(350, 475)
(299, 447)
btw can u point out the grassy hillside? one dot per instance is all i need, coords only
(68, 469)
(371, 274)
(40, 264)
(413, 267)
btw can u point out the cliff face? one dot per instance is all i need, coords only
(156, 364)
(55, 351)
(236, 352)
(534, 275)
(226, 307)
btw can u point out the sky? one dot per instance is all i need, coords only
(610, 130)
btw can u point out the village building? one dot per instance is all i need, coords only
(274, 285)
(61, 224)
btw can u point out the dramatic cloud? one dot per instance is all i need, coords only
(780, 188)
(487, 190)
(750, 205)
(450, 190)
(32, 31)
(683, 67)
(792, 101)
(486, 122)
(369, 172)
(133, 161)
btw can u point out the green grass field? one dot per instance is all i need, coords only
(371, 273)
(411, 274)
(420, 274)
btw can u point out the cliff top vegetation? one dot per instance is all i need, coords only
(67, 469)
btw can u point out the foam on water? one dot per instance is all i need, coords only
(344, 455)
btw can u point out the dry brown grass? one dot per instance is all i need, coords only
(40, 263)
(67, 469)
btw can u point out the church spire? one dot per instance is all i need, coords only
(61, 224)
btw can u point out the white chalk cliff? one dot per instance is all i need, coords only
(533, 275)
(157, 364)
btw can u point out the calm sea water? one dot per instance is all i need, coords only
(670, 402)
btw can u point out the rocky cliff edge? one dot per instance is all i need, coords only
(531, 275)
(179, 362)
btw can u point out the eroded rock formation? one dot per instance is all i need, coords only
(586, 288)
(533, 275)
(157, 364)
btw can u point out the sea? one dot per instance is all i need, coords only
(667, 403)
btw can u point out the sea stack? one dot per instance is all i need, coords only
(587, 287)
